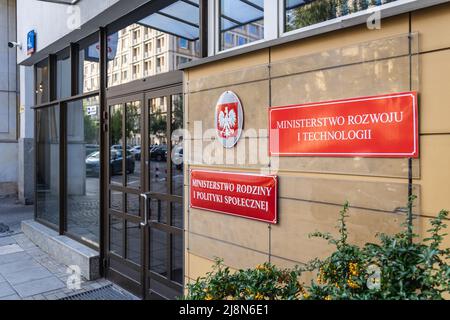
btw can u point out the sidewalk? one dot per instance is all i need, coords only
(27, 272)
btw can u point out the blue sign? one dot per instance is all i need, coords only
(31, 42)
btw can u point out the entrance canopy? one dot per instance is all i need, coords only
(181, 19)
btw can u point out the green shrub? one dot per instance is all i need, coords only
(400, 267)
(265, 282)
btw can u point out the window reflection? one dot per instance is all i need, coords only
(63, 75)
(89, 67)
(133, 143)
(83, 169)
(155, 44)
(47, 164)
(302, 13)
(158, 145)
(241, 22)
(116, 144)
(177, 145)
(42, 82)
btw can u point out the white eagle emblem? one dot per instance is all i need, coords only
(227, 122)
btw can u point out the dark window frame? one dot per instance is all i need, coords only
(73, 51)
(101, 34)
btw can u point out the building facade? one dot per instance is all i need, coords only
(139, 112)
(8, 100)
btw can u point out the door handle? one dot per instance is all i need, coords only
(145, 197)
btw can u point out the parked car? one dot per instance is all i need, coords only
(91, 148)
(116, 158)
(159, 153)
(93, 164)
(136, 150)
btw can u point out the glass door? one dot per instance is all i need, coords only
(126, 182)
(145, 223)
(163, 224)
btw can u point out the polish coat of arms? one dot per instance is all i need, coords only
(228, 119)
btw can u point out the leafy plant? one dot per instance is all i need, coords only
(400, 266)
(396, 268)
(265, 282)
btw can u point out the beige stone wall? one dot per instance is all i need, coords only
(349, 63)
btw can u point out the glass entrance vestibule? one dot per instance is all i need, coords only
(109, 160)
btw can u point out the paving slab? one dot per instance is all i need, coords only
(16, 266)
(13, 257)
(40, 286)
(6, 290)
(6, 240)
(10, 248)
(28, 274)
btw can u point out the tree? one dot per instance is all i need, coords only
(314, 12)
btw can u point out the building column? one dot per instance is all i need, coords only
(26, 161)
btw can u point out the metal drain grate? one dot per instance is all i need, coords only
(107, 292)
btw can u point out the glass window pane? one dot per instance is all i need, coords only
(83, 169)
(42, 82)
(116, 235)
(177, 215)
(63, 76)
(133, 204)
(47, 164)
(154, 44)
(133, 242)
(133, 143)
(116, 144)
(89, 67)
(302, 13)
(177, 145)
(158, 145)
(241, 22)
(158, 251)
(177, 258)
(158, 210)
(116, 200)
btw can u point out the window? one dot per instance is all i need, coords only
(183, 43)
(300, 13)
(235, 16)
(147, 68)
(124, 59)
(136, 71)
(63, 75)
(124, 75)
(159, 43)
(124, 43)
(147, 49)
(88, 59)
(159, 64)
(242, 41)
(47, 164)
(163, 33)
(253, 29)
(181, 60)
(42, 84)
(136, 53)
(83, 169)
(136, 35)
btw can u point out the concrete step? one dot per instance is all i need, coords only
(64, 249)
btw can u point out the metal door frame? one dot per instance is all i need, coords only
(141, 90)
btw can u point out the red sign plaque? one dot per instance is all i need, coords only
(249, 196)
(378, 126)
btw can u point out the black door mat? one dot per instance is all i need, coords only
(107, 292)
